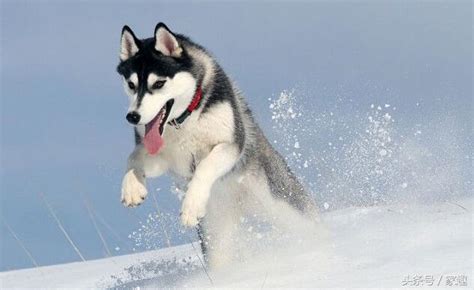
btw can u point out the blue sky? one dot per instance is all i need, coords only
(63, 129)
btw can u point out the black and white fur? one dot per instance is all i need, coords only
(230, 167)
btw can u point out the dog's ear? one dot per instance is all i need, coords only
(166, 42)
(129, 44)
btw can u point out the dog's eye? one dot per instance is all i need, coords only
(158, 85)
(131, 86)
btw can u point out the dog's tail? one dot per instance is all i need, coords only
(283, 183)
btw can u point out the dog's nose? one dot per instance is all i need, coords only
(133, 118)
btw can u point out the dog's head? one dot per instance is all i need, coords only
(157, 77)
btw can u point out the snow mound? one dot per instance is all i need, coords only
(378, 246)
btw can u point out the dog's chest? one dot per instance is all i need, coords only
(184, 149)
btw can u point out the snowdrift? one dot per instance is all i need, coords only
(379, 246)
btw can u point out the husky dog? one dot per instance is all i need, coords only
(190, 120)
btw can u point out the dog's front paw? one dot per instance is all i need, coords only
(133, 189)
(192, 209)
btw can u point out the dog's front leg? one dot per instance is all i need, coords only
(140, 166)
(220, 160)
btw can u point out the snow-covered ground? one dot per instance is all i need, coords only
(382, 246)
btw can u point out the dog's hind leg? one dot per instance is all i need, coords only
(201, 231)
(220, 227)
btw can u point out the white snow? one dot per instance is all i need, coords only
(380, 246)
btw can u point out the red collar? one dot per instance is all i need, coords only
(196, 99)
(192, 106)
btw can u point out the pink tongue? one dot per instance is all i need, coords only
(152, 140)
